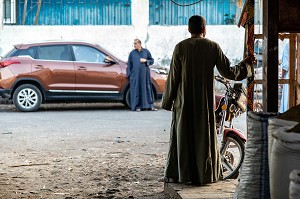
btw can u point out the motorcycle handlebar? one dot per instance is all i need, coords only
(222, 79)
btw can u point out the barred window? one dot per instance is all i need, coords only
(74, 12)
(9, 11)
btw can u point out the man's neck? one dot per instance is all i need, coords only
(197, 35)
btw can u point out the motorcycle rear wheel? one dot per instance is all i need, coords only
(232, 156)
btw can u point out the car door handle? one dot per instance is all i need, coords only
(82, 68)
(39, 66)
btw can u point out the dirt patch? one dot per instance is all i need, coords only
(108, 172)
(38, 163)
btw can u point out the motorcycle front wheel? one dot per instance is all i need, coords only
(232, 156)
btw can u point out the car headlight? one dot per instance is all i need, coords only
(160, 71)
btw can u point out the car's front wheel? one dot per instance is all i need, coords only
(27, 98)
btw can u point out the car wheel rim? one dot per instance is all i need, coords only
(27, 98)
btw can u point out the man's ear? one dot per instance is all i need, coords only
(189, 30)
(204, 31)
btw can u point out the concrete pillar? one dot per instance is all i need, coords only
(140, 20)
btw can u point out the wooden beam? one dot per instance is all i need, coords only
(292, 68)
(289, 16)
(298, 71)
(247, 21)
(24, 12)
(37, 12)
(280, 81)
(270, 55)
(280, 35)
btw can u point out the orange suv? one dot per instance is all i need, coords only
(31, 74)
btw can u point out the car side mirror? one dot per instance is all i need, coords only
(109, 60)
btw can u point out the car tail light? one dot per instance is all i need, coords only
(7, 63)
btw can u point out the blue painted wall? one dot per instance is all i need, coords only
(77, 12)
(164, 12)
(118, 12)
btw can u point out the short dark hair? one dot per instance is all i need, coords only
(138, 41)
(196, 24)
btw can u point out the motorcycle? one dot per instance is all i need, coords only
(231, 140)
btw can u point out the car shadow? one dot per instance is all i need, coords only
(9, 107)
(83, 106)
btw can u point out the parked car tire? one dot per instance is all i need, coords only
(27, 98)
(127, 97)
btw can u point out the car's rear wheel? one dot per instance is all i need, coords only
(27, 98)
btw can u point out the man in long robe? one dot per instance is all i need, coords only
(138, 73)
(194, 153)
(284, 104)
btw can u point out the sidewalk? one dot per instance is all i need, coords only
(219, 190)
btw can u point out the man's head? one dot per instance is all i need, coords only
(137, 44)
(197, 25)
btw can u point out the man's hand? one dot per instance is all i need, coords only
(143, 60)
(250, 59)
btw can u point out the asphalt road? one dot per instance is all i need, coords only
(81, 121)
(112, 121)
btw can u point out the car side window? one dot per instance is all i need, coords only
(53, 52)
(29, 52)
(88, 54)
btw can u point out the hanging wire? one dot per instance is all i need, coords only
(186, 4)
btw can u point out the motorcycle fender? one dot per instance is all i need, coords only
(236, 132)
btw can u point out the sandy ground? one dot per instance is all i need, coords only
(75, 166)
(82, 173)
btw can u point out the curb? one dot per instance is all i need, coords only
(224, 189)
